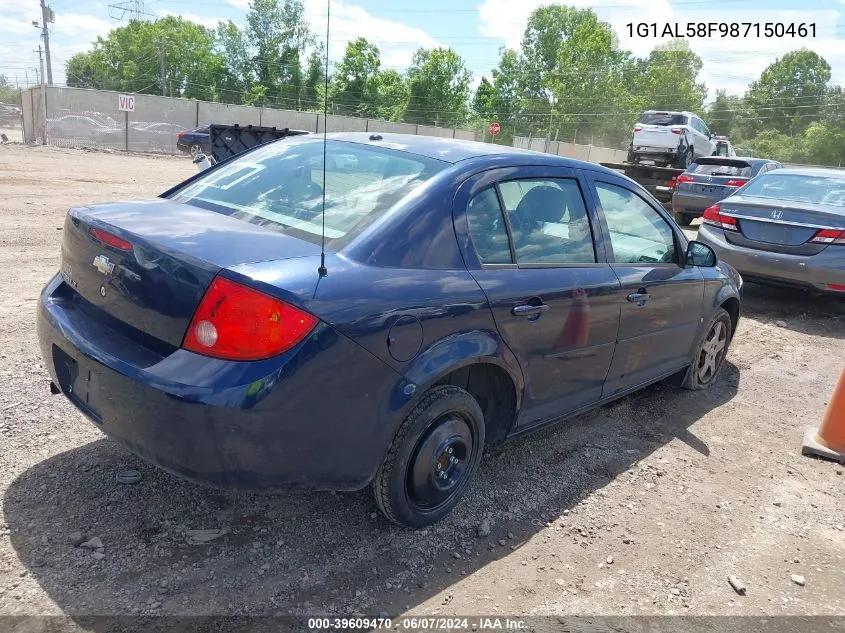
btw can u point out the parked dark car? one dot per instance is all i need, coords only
(785, 227)
(471, 292)
(710, 179)
(194, 141)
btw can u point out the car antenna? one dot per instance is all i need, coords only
(322, 270)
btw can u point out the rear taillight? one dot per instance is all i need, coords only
(235, 322)
(714, 217)
(685, 178)
(739, 182)
(676, 130)
(111, 240)
(180, 136)
(638, 128)
(828, 236)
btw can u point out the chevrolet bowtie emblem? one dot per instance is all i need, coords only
(102, 263)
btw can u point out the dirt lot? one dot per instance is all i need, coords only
(642, 507)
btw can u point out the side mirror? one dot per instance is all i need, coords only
(699, 254)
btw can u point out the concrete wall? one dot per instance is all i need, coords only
(589, 153)
(91, 118)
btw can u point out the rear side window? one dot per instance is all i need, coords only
(548, 220)
(280, 186)
(487, 228)
(735, 168)
(663, 118)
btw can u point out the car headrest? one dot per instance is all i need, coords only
(544, 204)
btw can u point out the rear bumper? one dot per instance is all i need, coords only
(814, 272)
(691, 204)
(296, 420)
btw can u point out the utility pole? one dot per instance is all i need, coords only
(43, 96)
(47, 17)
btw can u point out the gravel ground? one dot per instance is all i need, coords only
(645, 506)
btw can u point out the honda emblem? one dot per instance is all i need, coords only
(777, 214)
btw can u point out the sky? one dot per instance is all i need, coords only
(476, 29)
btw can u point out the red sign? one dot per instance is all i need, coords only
(494, 129)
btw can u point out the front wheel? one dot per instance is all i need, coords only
(710, 353)
(432, 459)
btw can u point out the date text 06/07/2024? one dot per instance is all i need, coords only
(721, 29)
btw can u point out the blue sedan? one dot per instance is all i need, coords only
(467, 293)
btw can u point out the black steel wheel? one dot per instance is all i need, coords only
(432, 459)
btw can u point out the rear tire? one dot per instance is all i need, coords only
(432, 458)
(684, 219)
(710, 352)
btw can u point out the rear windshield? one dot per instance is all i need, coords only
(663, 118)
(798, 188)
(734, 168)
(280, 186)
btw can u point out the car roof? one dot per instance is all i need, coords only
(826, 172)
(452, 150)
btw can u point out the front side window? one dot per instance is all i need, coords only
(548, 220)
(638, 233)
(280, 186)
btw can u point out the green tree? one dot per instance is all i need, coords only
(8, 93)
(313, 86)
(237, 76)
(790, 93)
(280, 35)
(725, 114)
(131, 59)
(668, 79)
(438, 87)
(354, 83)
(566, 79)
(391, 95)
(484, 100)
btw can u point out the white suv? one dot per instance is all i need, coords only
(670, 138)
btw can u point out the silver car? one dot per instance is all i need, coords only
(785, 226)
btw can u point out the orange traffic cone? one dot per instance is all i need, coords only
(829, 440)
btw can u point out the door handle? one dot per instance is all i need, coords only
(529, 310)
(639, 297)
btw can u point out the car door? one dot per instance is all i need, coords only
(528, 239)
(701, 143)
(661, 297)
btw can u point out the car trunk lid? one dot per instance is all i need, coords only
(655, 136)
(148, 264)
(784, 227)
(714, 178)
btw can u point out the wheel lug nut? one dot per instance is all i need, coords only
(449, 450)
(454, 460)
